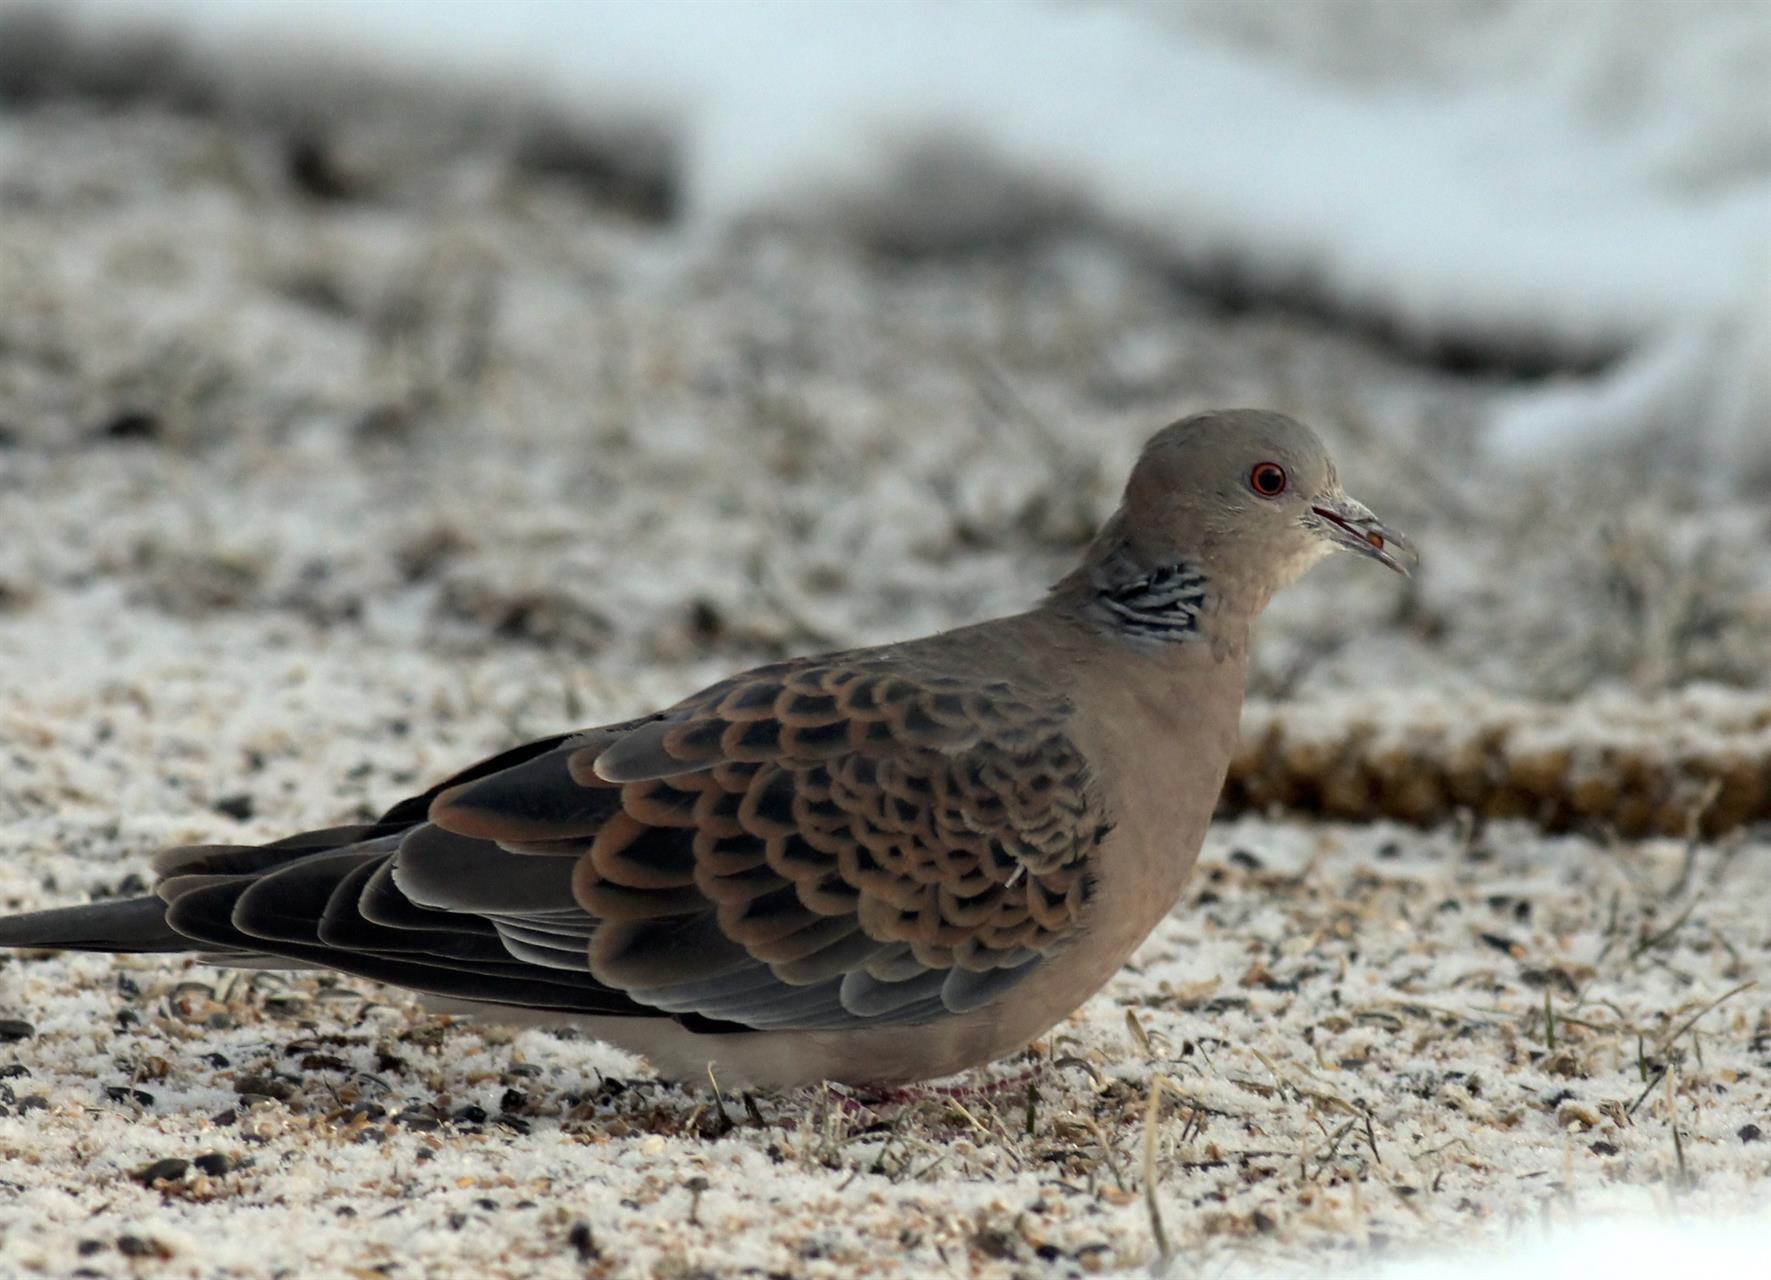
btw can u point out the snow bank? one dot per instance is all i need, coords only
(1635, 764)
(1532, 177)
(1621, 1250)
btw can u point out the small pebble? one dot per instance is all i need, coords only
(265, 1087)
(130, 425)
(238, 807)
(137, 1247)
(170, 1169)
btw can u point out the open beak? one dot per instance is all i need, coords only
(1351, 526)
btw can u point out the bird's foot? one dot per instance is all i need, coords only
(867, 1102)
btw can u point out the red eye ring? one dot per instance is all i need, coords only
(1267, 479)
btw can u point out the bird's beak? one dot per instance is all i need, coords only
(1351, 526)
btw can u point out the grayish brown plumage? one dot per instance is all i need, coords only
(876, 866)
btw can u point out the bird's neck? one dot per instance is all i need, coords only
(1166, 604)
(1157, 600)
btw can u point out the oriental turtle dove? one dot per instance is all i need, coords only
(876, 866)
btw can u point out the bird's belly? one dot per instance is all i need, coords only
(785, 1059)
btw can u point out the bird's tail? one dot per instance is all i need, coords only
(139, 924)
(125, 924)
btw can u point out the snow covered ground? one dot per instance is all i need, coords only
(353, 424)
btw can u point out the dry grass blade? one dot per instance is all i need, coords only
(1694, 838)
(1683, 1183)
(1107, 1152)
(1138, 1033)
(1672, 1037)
(1152, 1110)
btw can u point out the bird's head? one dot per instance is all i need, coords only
(1251, 497)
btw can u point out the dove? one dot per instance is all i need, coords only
(872, 867)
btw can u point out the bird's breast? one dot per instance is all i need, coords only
(1159, 744)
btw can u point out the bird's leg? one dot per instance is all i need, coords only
(951, 1092)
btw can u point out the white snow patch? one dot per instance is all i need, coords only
(1616, 1248)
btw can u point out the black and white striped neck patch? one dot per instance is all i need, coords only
(1163, 604)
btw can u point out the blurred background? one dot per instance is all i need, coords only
(384, 382)
(643, 340)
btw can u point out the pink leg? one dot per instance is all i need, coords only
(958, 1092)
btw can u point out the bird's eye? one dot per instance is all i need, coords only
(1268, 479)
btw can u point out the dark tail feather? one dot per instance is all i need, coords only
(141, 924)
(130, 924)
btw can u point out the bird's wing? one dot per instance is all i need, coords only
(814, 844)
(826, 843)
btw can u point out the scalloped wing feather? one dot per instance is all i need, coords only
(839, 838)
(850, 841)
